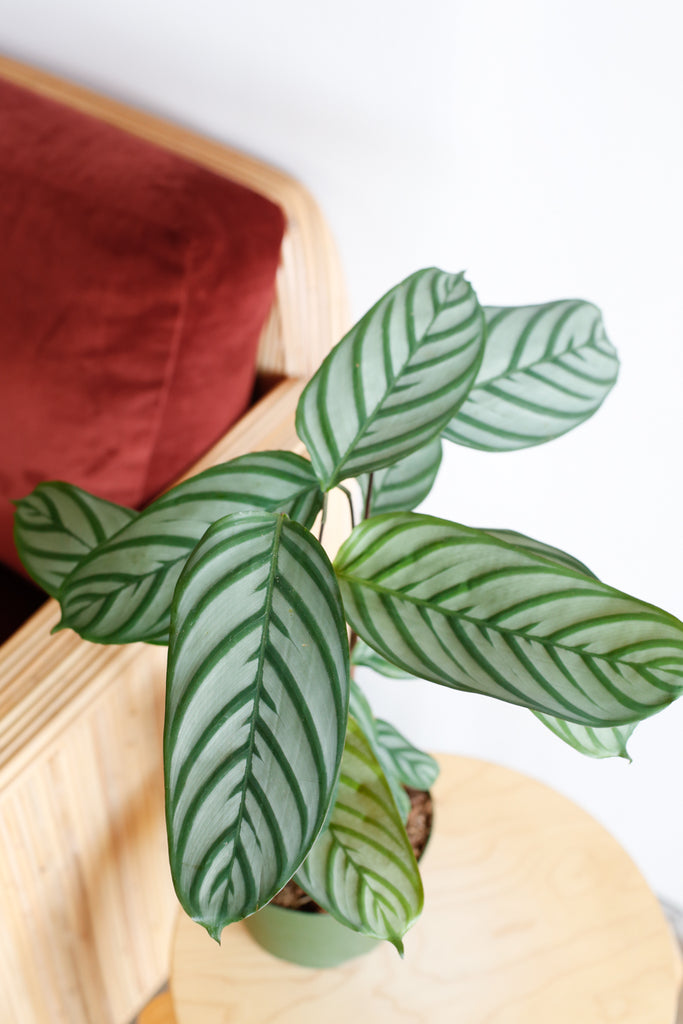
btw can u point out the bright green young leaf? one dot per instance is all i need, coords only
(460, 607)
(57, 525)
(414, 767)
(403, 485)
(256, 710)
(362, 869)
(591, 742)
(545, 370)
(395, 380)
(360, 710)
(122, 592)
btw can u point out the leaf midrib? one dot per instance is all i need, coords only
(370, 419)
(556, 360)
(507, 630)
(258, 683)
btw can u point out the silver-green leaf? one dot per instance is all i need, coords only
(122, 592)
(256, 711)
(363, 655)
(360, 710)
(414, 767)
(460, 607)
(544, 550)
(607, 742)
(395, 380)
(57, 525)
(403, 485)
(545, 370)
(362, 869)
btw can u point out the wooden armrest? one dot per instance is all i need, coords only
(88, 904)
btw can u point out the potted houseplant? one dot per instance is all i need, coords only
(268, 775)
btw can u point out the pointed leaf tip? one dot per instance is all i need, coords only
(545, 370)
(395, 380)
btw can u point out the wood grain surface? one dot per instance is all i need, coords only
(533, 915)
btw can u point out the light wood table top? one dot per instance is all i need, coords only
(533, 915)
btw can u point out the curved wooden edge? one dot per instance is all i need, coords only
(311, 310)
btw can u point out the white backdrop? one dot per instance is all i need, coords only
(536, 144)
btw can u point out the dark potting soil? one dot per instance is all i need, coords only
(418, 827)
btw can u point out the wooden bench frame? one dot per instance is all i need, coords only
(87, 902)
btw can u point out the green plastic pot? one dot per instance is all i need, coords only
(309, 940)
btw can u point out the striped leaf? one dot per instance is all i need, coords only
(544, 550)
(395, 380)
(57, 525)
(545, 370)
(605, 742)
(361, 868)
(361, 712)
(364, 655)
(403, 485)
(414, 767)
(122, 592)
(591, 742)
(256, 711)
(460, 607)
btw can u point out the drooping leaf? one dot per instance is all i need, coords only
(57, 525)
(360, 710)
(403, 485)
(256, 710)
(395, 380)
(122, 592)
(608, 742)
(364, 655)
(460, 607)
(362, 869)
(414, 767)
(588, 740)
(545, 370)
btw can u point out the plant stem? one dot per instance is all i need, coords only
(323, 519)
(368, 496)
(347, 492)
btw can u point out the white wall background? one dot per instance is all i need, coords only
(538, 145)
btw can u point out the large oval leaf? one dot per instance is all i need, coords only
(57, 525)
(394, 381)
(362, 869)
(460, 607)
(122, 592)
(545, 370)
(256, 710)
(403, 485)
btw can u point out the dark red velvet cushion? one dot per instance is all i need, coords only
(133, 289)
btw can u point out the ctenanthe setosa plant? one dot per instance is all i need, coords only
(275, 766)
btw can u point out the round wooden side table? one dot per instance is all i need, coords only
(533, 915)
